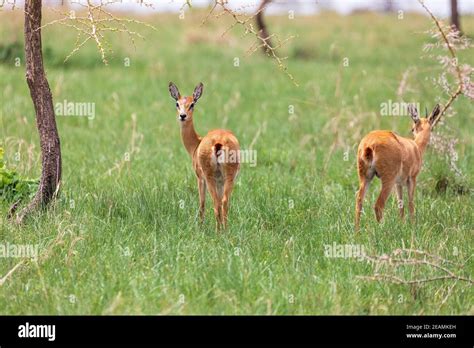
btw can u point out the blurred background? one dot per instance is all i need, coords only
(439, 7)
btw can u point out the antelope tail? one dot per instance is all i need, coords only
(217, 152)
(368, 154)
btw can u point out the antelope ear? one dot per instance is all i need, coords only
(174, 91)
(413, 113)
(434, 113)
(198, 91)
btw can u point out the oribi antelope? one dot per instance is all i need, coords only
(395, 160)
(215, 157)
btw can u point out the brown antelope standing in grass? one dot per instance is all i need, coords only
(395, 160)
(215, 157)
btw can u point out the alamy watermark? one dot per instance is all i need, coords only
(29, 251)
(344, 251)
(75, 109)
(394, 108)
(237, 156)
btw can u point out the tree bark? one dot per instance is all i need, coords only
(262, 27)
(44, 110)
(455, 15)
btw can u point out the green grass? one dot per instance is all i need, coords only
(130, 242)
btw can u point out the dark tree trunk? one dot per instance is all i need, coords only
(455, 14)
(388, 6)
(262, 27)
(45, 118)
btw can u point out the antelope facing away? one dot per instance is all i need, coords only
(395, 160)
(215, 157)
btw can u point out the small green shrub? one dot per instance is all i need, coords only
(12, 186)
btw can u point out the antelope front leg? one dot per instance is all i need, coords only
(411, 194)
(202, 198)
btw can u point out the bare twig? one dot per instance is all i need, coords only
(96, 21)
(411, 257)
(10, 272)
(264, 42)
(263, 32)
(460, 89)
(59, 240)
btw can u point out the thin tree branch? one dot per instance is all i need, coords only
(452, 51)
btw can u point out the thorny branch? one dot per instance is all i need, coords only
(96, 21)
(450, 36)
(400, 258)
(246, 22)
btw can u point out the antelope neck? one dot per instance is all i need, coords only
(190, 138)
(422, 140)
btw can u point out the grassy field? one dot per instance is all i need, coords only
(127, 241)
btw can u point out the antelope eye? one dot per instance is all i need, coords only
(177, 105)
(191, 106)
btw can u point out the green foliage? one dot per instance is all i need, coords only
(13, 187)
